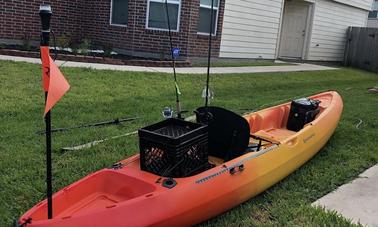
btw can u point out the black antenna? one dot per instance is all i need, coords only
(45, 14)
(209, 55)
(178, 105)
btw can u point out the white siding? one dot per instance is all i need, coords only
(251, 28)
(362, 4)
(330, 23)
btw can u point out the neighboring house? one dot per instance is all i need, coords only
(307, 29)
(258, 29)
(373, 16)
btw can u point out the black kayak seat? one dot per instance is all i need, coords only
(228, 135)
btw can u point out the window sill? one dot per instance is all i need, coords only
(206, 34)
(119, 25)
(161, 30)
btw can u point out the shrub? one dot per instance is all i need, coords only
(74, 48)
(108, 49)
(63, 41)
(26, 42)
(85, 46)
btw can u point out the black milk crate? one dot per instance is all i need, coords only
(173, 148)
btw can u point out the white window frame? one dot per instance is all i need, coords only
(216, 19)
(177, 2)
(111, 14)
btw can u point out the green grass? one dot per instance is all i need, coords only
(98, 95)
(239, 63)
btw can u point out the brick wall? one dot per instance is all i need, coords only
(198, 44)
(19, 19)
(91, 20)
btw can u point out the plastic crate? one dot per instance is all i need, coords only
(174, 148)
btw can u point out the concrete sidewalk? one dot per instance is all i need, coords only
(187, 70)
(357, 200)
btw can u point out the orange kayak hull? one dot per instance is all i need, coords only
(127, 196)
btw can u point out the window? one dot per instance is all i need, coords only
(157, 16)
(119, 12)
(204, 17)
(374, 14)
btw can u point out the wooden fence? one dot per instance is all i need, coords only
(362, 48)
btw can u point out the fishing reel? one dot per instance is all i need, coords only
(209, 94)
(169, 113)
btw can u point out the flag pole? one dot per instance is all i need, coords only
(45, 14)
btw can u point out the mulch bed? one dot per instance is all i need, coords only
(96, 59)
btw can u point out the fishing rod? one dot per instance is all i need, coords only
(111, 122)
(98, 141)
(209, 56)
(177, 90)
(206, 117)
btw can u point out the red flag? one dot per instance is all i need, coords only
(45, 57)
(54, 82)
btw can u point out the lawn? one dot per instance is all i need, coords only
(97, 95)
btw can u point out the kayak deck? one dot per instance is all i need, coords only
(102, 190)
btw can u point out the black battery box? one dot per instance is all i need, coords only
(302, 112)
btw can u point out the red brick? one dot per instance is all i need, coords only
(90, 20)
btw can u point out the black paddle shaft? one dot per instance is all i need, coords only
(110, 122)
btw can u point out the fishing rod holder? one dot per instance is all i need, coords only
(174, 148)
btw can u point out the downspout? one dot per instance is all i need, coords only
(279, 30)
(309, 25)
(189, 31)
(134, 23)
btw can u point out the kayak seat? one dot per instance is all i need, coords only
(270, 119)
(228, 136)
(255, 123)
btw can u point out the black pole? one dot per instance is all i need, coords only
(45, 14)
(48, 163)
(209, 54)
(178, 105)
